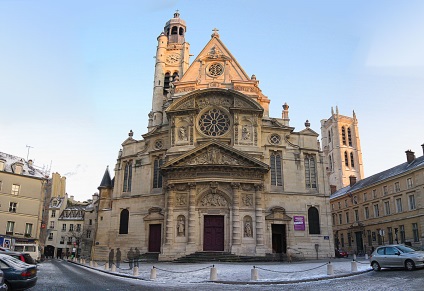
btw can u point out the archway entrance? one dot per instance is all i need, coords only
(279, 239)
(213, 238)
(49, 251)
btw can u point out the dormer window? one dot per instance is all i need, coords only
(18, 169)
(2, 163)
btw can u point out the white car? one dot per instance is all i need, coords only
(396, 256)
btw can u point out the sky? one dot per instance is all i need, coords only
(76, 76)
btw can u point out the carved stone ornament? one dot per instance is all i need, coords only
(181, 187)
(213, 100)
(215, 156)
(247, 200)
(216, 200)
(181, 200)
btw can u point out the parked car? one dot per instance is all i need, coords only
(17, 274)
(24, 257)
(3, 286)
(396, 256)
(341, 254)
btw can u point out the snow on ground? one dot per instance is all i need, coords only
(240, 272)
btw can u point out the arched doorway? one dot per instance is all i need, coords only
(49, 251)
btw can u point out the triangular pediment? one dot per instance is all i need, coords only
(308, 131)
(215, 154)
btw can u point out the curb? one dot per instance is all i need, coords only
(236, 282)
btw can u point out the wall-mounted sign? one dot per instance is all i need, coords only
(326, 237)
(299, 222)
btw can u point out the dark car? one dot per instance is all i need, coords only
(341, 254)
(17, 274)
(3, 286)
(24, 257)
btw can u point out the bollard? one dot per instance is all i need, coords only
(135, 271)
(354, 266)
(113, 268)
(354, 257)
(95, 264)
(153, 273)
(106, 266)
(330, 270)
(91, 264)
(366, 256)
(81, 261)
(214, 274)
(254, 274)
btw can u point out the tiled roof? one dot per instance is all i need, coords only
(27, 169)
(380, 177)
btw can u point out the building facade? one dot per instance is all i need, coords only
(385, 208)
(22, 190)
(214, 172)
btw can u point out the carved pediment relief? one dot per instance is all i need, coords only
(278, 213)
(213, 154)
(154, 214)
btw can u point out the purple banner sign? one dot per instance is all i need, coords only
(299, 222)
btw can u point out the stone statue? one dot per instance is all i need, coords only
(247, 229)
(182, 135)
(181, 226)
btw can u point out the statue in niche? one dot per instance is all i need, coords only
(245, 133)
(247, 229)
(182, 134)
(181, 226)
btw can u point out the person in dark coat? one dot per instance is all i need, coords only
(130, 257)
(111, 255)
(118, 257)
(136, 257)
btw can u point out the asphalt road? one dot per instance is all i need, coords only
(61, 275)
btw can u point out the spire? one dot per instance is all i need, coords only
(106, 181)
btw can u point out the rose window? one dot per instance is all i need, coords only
(275, 139)
(216, 70)
(214, 122)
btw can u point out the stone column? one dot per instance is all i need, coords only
(170, 213)
(192, 214)
(259, 221)
(236, 218)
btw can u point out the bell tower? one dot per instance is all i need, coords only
(342, 149)
(172, 61)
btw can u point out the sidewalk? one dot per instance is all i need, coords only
(240, 273)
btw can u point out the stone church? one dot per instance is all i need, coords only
(214, 172)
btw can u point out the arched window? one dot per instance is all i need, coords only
(181, 31)
(276, 170)
(331, 163)
(174, 76)
(313, 221)
(127, 177)
(343, 135)
(346, 159)
(349, 136)
(310, 172)
(166, 83)
(123, 221)
(174, 30)
(157, 176)
(329, 137)
(352, 161)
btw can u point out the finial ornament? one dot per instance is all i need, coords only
(131, 133)
(215, 33)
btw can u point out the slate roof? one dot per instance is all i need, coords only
(28, 170)
(106, 181)
(380, 177)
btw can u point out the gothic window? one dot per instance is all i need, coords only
(123, 221)
(174, 30)
(313, 221)
(127, 177)
(166, 83)
(276, 170)
(343, 135)
(214, 122)
(331, 163)
(157, 176)
(349, 137)
(352, 161)
(346, 159)
(310, 172)
(181, 31)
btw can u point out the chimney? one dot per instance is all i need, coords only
(333, 189)
(410, 156)
(30, 163)
(352, 180)
(423, 148)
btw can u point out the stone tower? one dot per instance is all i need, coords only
(342, 149)
(172, 61)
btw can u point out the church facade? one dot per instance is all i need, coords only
(214, 172)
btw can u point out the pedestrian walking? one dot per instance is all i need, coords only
(118, 257)
(136, 257)
(111, 255)
(130, 257)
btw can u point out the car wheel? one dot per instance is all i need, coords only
(8, 287)
(375, 266)
(409, 265)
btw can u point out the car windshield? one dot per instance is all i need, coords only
(404, 249)
(12, 262)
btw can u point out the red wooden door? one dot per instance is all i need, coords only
(154, 238)
(213, 238)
